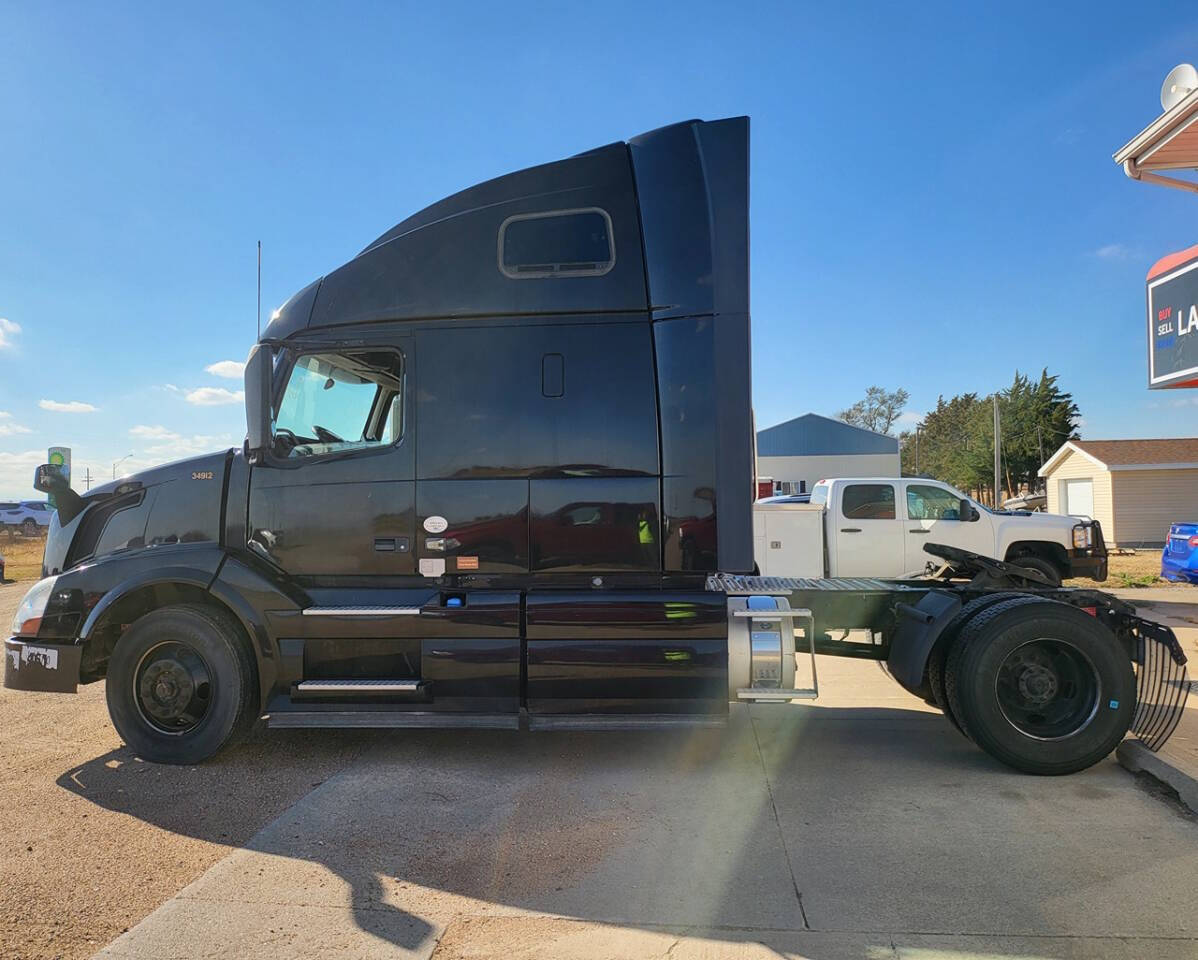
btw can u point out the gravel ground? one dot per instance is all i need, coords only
(95, 839)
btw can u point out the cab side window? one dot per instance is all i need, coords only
(869, 501)
(932, 503)
(340, 401)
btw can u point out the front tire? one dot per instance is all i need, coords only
(1046, 567)
(181, 685)
(29, 527)
(1041, 686)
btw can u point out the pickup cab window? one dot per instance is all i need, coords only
(340, 401)
(925, 502)
(868, 501)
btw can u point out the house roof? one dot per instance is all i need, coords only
(814, 436)
(1168, 454)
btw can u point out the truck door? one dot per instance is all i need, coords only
(868, 532)
(933, 516)
(335, 496)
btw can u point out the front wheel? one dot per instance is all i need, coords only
(181, 685)
(1046, 567)
(1041, 686)
(29, 527)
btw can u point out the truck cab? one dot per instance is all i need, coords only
(490, 463)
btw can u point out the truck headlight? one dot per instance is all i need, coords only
(31, 608)
(1083, 538)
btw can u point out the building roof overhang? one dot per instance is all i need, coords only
(1169, 143)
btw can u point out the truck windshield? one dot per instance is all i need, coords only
(339, 401)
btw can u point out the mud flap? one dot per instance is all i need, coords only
(1161, 682)
(46, 667)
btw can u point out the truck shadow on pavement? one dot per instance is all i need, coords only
(784, 824)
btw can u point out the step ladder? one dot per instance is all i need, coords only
(771, 650)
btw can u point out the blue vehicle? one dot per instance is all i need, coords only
(1179, 559)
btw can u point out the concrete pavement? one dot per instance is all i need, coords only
(827, 831)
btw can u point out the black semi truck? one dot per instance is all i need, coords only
(499, 472)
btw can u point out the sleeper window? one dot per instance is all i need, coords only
(558, 243)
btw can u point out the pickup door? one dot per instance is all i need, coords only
(933, 516)
(866, 532)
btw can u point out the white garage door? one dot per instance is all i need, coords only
(1079, 498)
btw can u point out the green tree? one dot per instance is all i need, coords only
(878, 410)
(955, 441)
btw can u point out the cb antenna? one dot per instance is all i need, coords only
(259, 289)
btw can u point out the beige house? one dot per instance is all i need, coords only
(1134, 488)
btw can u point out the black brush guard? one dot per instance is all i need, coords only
(1161, 682)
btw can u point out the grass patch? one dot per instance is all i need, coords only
(22, 556)
(1125, 579)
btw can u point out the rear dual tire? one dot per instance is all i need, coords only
(1039, 685)
(181, 684)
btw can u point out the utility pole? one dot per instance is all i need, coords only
(259, 288)
(918, 427)
(87, 478)
(997, 454)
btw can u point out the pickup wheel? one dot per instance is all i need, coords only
(29, 527)
(1041, 686)
(1046, 567)
(181, 685)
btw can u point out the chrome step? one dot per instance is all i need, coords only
(768, 695)
(623, 721)
(358, 686)
(380, 719)
(361, 611)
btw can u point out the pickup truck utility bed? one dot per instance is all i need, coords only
(499, 471)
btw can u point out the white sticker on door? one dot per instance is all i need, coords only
(432, 566)
(435, 524)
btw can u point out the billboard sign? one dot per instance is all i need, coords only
(1173, 321)
(59, 457)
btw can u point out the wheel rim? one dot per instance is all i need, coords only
(1048, 689)
(173, 687)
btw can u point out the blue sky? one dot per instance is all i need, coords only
(934, 202)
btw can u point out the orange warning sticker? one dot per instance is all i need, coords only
(467, 563)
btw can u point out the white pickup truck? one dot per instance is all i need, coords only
(877, 527)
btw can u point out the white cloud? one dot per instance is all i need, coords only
(16, 474)
(8, 428)
(8, 330)
(178, 447)
(1113, 251)
(153, 433)
(228, 369)
(214, 396)
(72, 406)
(909, 418)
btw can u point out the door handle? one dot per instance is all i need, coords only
(850, 529)
(919, 530)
